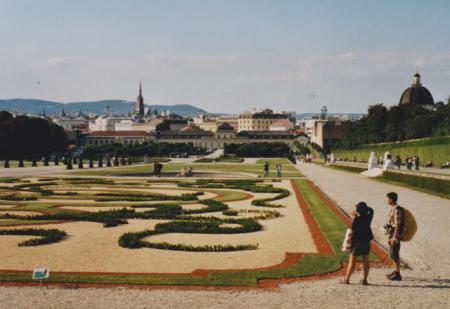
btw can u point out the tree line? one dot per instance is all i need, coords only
(116, 153)
(30, 138)
(255, 150)
(397, 123)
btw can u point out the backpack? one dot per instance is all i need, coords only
(409, 225)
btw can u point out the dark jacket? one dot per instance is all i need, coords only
(361, 226)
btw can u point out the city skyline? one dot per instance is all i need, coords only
(288, 56)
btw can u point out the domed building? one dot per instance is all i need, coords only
(417, 94)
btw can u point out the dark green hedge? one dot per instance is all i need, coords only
(134, 240)
(438, 185)
(255, 186)
(15, 197)
(46, 236)
(112, 218)
(136, 197)
(211, 206)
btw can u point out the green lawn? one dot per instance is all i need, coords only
(330, 224)
(435, 149)
(274, 161)
(147, 169)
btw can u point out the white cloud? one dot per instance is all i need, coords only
(228, 83)
(55, 62)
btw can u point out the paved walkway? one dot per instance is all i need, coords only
(429, 250)
(32, 171)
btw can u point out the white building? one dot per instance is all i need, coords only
(124, 125)
(281, 125)
(103, 123)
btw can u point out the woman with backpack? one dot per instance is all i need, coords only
(361, 235)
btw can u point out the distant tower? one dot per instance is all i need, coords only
(323, 112)
(416, 79)
(139, 106)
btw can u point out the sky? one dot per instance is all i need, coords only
(225, 56)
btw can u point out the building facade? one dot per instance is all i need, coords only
(259, 120)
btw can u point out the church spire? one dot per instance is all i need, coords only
(139, 106)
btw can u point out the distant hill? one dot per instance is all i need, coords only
(120, 107)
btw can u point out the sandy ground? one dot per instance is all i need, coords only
(101, 253)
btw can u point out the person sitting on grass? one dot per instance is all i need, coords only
(360, 241)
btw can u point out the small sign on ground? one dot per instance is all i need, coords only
(41, 273)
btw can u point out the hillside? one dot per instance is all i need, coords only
(34, 106)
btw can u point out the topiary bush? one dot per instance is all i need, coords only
(45, 236)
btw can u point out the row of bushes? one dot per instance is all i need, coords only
(134, 239)
(88, 181)
(9, 180)
(262, 214)
(254, 186)
(160, 211)
(262, 149)
(211, 206)
(438, 185)
(108, 218)
(136, 197)
(18, 197)
(45, 236)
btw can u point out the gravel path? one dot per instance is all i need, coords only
(415, 292)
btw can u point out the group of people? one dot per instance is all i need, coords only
(186, 172)
(413, 162)
(361, 235)
(266, 169)
(388, 161)
(305, 158)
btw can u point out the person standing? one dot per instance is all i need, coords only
(394, 228)
(360, 241)
(409, 163)
(279, 169)
(398, 161)
(416, 162)
(266, 169)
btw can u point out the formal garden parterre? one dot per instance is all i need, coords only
(140, 231)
